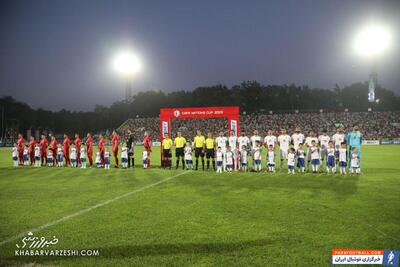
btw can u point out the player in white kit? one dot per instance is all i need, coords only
(270, 139)
(232, 142)
(271, 158)
(257, 156)
(338, 139)
(82, 156)
(254, 139)
(243, 159)
(106, 159)
(291, 160)
(37, 155)
(297, 138)
(26, 156)
(324, 144)
(243, 140)
(342, 158)
(301, 155)
(124, 155)
(15, 155)
(315, 156)
(50, 157)
(188, 156)
(72, 156)
(229, 159)
(219, 158)
(312, 137)
(222, 142)
(60, 156)
(330, 161)
(145, 157)
(355, 161)
(283, 142)
(98, 159)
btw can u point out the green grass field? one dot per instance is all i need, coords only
(174, 218)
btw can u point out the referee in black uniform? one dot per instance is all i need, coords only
(131, 153)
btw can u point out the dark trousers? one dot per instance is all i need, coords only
(131, 160)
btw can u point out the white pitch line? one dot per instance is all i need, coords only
(66, 218)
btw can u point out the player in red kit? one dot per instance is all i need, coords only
(89, 144)
(147, 146)
(102, 147)
(66, 145)
(78, 144)
(31, 149)
(53, 146)
(115, 141)
(21, 145)
(43, 148)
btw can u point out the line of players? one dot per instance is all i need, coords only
(78, 153)
(225, 153)
(42, 153)
(301, 153)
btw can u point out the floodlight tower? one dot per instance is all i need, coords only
(373, 81)
(371, 42)
(127, 65)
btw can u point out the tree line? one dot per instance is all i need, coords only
(250, 96)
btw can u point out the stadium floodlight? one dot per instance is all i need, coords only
(127, 64)
(371, 42)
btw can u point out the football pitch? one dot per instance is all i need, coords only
(162, 217)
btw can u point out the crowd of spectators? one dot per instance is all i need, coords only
(9, 136)
(138, 126)
(373, 125)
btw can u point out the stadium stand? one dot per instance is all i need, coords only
(373, 125)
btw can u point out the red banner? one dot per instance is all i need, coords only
(166, 114)
(200, 112)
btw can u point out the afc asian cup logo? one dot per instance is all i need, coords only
(177, 113)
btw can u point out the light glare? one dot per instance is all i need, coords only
(126, 63)
(372, 40)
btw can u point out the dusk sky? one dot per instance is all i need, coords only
(57, 54)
